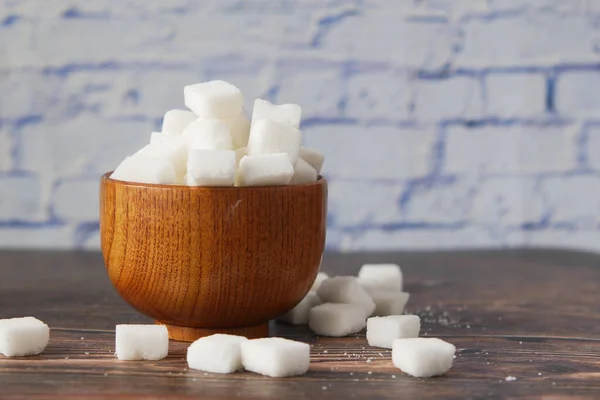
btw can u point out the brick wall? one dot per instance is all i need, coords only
(446, 123)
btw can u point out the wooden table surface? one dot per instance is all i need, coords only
(532, 315)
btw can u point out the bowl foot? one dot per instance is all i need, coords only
(187, 334)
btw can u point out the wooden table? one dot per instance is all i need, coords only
(532, 315)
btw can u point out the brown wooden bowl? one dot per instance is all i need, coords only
(206, 260)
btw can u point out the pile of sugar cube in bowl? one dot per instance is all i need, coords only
(216, 144)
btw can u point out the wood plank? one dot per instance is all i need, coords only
(535, 320)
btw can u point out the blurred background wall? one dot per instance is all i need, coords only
(446, 123)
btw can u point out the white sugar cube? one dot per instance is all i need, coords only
(381, 331)
(161, 137)
(218, 353)
(423, 357)
(214, 99)
(388, 302)
(387, 276)
(143, 168)
(175, 121)
(210, 134)
(265, 170)
(303, 173)
(239, 154)
(285, 114)
(268, 137)
(174, 151)
(276, 357)
(336, 319)
(299, 314)
(141, 342)
(211, 167)
(321, 276)
(239, 127)
(25, 336)
(313, 157)
(346, 289)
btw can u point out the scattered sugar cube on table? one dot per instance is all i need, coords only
(386, 276)
(269, 137)
(216, 353)
(303, 173)
(211, 167)
(336, 319)
(388, 302)
(141, 342)
(313, 157)
(285, 114)
(143, 168)
(175, 121)
(265, 170)
(299, 314)
(346, 289)
(381, 331)
(321, 276)
(26, 336)
(276, 357)
(423, 357)
(209, 134)
(214, 99)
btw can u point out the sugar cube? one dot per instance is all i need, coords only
(276, 357)
(217, 353)
(388, 302)
(239, 128)
(388, 276)
(336, 319)
(269, 137)
(381, 331)
(143, 168)
(265, 170)
(175, 121)
(210, 134)
(141, 342)
(214, 99)
(423, 357)
(346, 289)
(299, 314)
(161, 137)
(285, 114)
(174, 151)
(26, 336)
(211, 167)
(313, 157)
(303, 173)
(321, 276)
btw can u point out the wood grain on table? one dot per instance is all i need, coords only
(532, 315)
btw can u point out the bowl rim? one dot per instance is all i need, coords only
(106, 177)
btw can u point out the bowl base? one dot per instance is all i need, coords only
(187, 334)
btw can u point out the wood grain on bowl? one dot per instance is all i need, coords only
(212, 259)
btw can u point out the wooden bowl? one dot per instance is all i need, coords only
(206, 260)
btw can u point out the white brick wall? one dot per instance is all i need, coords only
(372, 152)
(511, 149)
(574, 94)
(19, 198)
(516, 95)
(446, 123)
(458, 97)
(76, 200)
